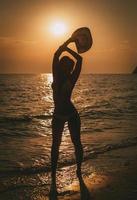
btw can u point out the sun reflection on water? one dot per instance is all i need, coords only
(47, 78)
(47, 81)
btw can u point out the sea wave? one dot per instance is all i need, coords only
(107, 113)
(88, 111)
(89, 154)
(25, 118)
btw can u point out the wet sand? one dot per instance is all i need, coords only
(113, 175)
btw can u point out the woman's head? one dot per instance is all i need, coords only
(66, 64)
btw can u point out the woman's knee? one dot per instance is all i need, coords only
(56, 143)
(77, 143)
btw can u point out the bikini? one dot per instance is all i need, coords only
(64, 117)
(66, 91)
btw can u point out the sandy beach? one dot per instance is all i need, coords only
(113, 176)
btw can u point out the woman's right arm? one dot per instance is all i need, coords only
(55, 64)
(77, 70)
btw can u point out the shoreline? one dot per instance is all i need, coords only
(113, 175)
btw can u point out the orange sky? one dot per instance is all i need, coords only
(27, 45)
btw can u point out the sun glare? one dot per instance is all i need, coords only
(58, 28)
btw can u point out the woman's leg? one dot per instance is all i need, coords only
(74, 125)
(57, 129)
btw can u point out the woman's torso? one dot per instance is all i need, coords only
(62, 97)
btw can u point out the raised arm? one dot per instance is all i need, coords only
(55, 64)
(77, 70)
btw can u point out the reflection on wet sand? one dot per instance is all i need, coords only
(80, 188)
(84, 192)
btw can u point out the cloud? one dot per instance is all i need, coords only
(22, 56)
(122, 46)
(12, 41)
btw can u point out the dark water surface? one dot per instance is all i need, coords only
(107, 105)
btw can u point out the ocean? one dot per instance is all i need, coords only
(107, 105)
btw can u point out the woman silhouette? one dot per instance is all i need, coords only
(65, 76)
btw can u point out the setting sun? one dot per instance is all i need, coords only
(58, 28)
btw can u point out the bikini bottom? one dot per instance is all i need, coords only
(65, 117)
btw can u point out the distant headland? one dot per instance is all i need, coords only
(135, 70)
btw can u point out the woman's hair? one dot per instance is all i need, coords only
(66, 64)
